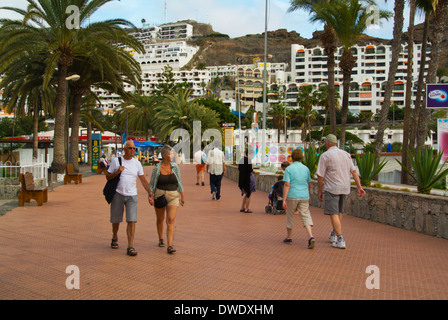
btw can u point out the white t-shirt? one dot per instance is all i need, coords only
(127, 186)
(215, 160)
(198, 157)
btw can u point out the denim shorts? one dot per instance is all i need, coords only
(117, 208)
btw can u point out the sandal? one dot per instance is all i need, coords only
(242, 210)
(248, 211)
(114, 244)
(131, 252)
(161, 244)
(170, 250)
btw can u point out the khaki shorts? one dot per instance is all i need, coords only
(298, 205)
(172, 197)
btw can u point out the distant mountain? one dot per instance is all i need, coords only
(218, 49)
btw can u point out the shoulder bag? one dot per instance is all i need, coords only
(111, 186)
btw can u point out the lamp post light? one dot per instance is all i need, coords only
(127, 108)
(73, 77)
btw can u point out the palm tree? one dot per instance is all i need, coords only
(43, 30)
(349, 19)
(178, 111)
(23, 91)
(396, 47)
(277, 112)
(306, 101)
(438, 31)
(143, 116)
(329, 42)
(428, 7)
(405, 178)
(322, 97)
(110, 70)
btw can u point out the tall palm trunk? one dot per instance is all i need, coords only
(421, 76)
(396, 47)
(59, 156)
(74, 137)
(36, 130)
(405, 177)
(439, 27)
(347, 64)
(330, 45)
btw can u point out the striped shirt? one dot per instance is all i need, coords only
(336, 166)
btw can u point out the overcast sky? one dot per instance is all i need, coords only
(233, 17)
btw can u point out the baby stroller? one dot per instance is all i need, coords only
(275, 203)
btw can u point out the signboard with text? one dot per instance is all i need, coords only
(436, 96)
(96, 151)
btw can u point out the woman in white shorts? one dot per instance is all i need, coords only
(166, 181)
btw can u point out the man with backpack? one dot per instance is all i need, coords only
(129, 168)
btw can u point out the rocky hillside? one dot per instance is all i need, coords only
(218, 49)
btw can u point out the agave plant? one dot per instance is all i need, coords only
(367, 169)
(311, 160)
(425, 168)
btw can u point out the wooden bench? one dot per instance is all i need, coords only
(71, 175)
(30, 191)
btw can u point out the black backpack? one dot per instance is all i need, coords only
(111, 186)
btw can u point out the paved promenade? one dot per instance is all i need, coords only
(222, 254)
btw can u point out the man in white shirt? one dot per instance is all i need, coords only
(126, 194)
(333, 171)
(199, 160)
(216, 168)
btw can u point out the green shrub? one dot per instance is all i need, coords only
(425, 168)
(367, 169)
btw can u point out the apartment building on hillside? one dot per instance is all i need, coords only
(369, 76)
(171, 31)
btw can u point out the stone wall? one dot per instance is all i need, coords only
(425, 214)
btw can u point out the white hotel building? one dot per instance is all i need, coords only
(164, 45)
(369, 76)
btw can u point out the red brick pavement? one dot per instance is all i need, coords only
(222, 254)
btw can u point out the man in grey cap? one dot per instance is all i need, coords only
(333, 171)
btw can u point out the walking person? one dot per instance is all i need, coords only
(216, 168)
(246, 181)
(296, 195)
(200, 161)
(126, 194)
(166, 183)
(334, 184)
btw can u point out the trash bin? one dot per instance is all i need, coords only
(52, 176)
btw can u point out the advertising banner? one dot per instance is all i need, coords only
(96, 151)
(436, 96)
(442, 129)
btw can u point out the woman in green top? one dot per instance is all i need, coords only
(166, 181)
(296, 196)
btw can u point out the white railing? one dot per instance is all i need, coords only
(38, 167)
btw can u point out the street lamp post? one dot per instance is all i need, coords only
(74, 77)
(127, 107)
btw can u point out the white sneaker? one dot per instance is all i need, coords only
(213, 195)
(333, 237)
(340, 244)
